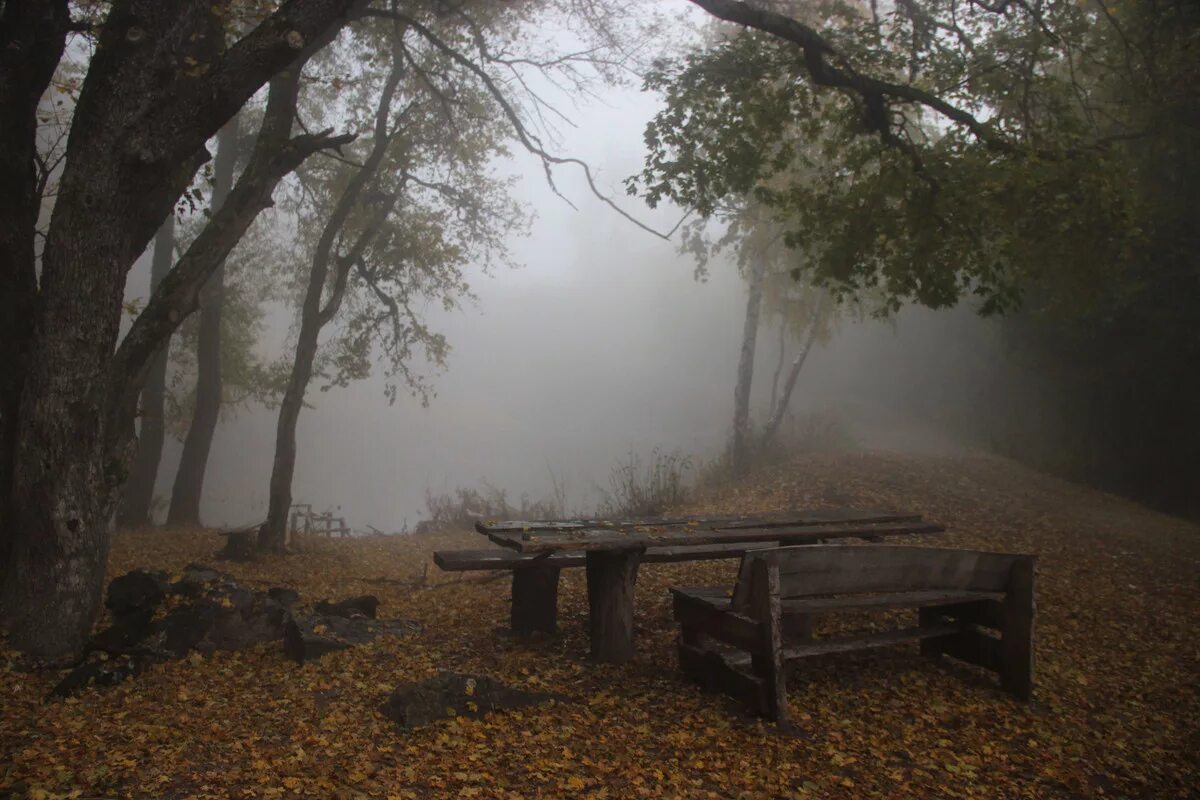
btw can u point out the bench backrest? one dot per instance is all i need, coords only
(843, 569)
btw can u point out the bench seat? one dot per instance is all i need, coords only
(974, 606)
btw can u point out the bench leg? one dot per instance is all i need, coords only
(535, 600)
(932, 615)
(611, 578)
(1016, 635)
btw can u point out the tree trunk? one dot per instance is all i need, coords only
(139, 491)
(742, 433)
(32, 37)
(273, 534)
(776, 419)
(189, 478)
(136, 139)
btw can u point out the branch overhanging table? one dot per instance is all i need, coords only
(613, 550)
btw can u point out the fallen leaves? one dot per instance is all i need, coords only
(1113, 717)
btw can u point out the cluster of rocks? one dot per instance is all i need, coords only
(210, 611)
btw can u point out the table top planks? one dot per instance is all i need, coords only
(806, 527)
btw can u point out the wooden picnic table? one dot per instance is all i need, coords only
(613, 550)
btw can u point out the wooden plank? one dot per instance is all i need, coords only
(835, 569)
(791, 519)
(842, 644)
(973, 647)
(616, 541)
(768, 661)
(714, 672)
(503, 558)
(819, 605)
(711, 616)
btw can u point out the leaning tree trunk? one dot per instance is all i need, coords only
(742, 434)
(777, 414)
(273, 534)
(138, 496)
(137, 137)
(189, 478)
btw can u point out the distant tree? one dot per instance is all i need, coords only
(189, 477)
(138, 497)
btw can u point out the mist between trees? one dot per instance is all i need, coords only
(739, 256)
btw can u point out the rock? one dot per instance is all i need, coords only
(136, 592)
(196, 580)
(99, 670)
(309, 639)
(239, 546)
(284, 596)
(451, 694)
(364, 606)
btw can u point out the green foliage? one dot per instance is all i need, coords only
(928, 213)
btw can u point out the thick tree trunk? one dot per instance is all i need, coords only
(139, 490)
(742, 433)
(137, 138)
(189, 478)
(32, 37)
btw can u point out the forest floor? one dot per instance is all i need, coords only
(1116, 711)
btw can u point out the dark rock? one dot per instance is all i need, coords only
(239, 546)
(364, 606)
(284, 596)
(309, 639)
(197, 579)
(451, 694)
(99, 670)
(136, 592)
(127, 630)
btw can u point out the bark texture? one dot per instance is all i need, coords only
(32, 37)
(189, 478)
(145, 111)
(138, 497)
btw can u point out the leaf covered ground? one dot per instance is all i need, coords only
(1116, 713)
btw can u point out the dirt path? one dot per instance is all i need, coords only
(1116, 712)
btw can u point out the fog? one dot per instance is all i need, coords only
(602, 343)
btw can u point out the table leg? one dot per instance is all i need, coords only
(535, 600)
(610, 582)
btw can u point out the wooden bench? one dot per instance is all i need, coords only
(961, 597)
(535, 577)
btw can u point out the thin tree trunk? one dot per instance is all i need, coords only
(742, 432)
(139, 490)
(778, 368)
(189, 478)
(273, 534)
(776, 419)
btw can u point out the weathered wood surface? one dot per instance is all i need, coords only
(593, 540)
(611, 578)
(502, 559)
(959, 596)
(832, 569)
(792, 519)
(535, 600)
